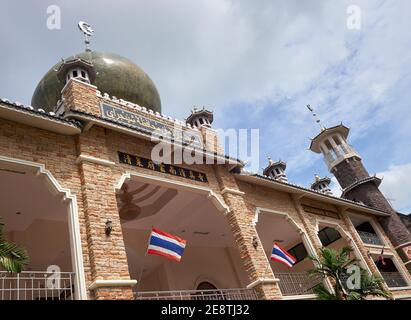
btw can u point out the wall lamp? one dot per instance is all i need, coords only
(255, 242)
(109, 227)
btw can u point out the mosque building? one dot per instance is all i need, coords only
(80, 192)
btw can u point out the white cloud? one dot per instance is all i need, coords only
(396, 186)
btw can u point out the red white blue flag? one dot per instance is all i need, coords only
(281, 255)
(166, 245)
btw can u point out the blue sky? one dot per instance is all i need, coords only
(255, 63)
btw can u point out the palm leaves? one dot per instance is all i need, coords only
(333, 264)
(13, 258)
(371, 285)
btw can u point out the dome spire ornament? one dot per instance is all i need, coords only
(88, 32)
(311, 109)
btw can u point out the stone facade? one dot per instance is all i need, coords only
(88, 165)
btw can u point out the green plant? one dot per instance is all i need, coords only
(13, 258)
(333, 265)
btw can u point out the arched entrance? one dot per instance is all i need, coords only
(191, 212)
(277, 227)
(41, 216)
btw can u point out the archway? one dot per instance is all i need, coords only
(191, 212)
(277, 227)
(332, 235)
(40, 216)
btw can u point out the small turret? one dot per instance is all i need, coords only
(322, 185)
(200, 117)
(76, 68)
(276, 170)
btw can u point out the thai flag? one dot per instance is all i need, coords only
(166, 245)
(280, 255)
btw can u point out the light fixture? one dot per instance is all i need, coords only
(109, 227)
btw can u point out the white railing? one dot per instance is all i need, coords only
(216, 294)
(292, 284)
(36, 285)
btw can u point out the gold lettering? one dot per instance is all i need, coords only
(150, 165)
(182, 173)
(127, 159)
(172, 170)
(138, 162)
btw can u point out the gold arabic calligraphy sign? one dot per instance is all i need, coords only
(175, 133)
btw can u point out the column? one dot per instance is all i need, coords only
(240, 218)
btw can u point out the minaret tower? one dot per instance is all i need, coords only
(345, 163)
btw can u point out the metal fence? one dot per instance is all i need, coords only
(292, 284)
(36, 285)
(370, 238)
(394, 279)
(216, 294)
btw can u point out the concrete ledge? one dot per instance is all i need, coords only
(112, 283)
(262, 281)
(232, 191)
(81, 158)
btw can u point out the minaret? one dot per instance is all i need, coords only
(276, 170)
(322, 185)
(345, 163)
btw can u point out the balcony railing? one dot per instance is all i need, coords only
(35, 285)
(394, 279)
(292, 284)
(217, 294)
(370, 238)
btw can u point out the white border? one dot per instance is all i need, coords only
(304, 237)
(73, 222)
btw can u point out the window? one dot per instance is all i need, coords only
(75, 74)
(328, 145)
(298, 252)
(366, 227)
(83, 74)
(336, 140)
(328, 235)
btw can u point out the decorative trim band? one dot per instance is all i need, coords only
(81, 158)
(232, 191)
(112, 283)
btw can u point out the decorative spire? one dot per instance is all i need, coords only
(86, 29)
(311, 109)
